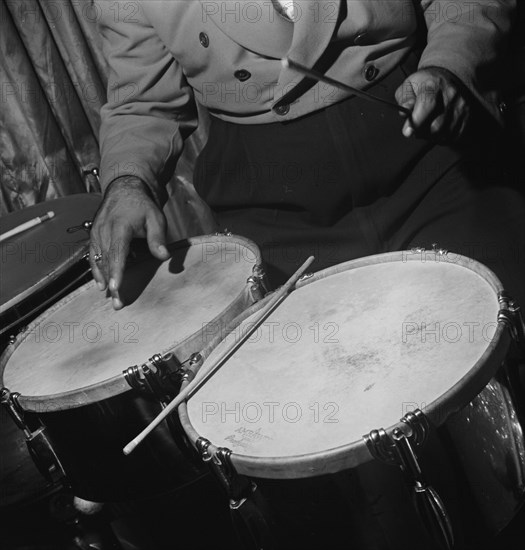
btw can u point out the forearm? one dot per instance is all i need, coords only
(149, 109)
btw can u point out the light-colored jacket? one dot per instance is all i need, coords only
(225, 54)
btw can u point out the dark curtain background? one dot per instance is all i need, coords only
(53, 83)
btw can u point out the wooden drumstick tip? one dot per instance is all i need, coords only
(285, 62)
(27, 225)
(130, 447)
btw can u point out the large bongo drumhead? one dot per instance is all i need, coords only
(76, 352)
(349, 351)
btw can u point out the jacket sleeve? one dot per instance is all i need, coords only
(150, 107)
(468, 37)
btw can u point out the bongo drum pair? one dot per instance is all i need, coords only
(318, 389)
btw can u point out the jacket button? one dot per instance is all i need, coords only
(371, 72)
(204, 40)
(359, 38)
(242, 75)
(282, 110)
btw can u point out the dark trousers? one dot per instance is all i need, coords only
(343, 183)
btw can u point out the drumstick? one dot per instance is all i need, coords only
(26, 225)
(194, 386)
(287, 62)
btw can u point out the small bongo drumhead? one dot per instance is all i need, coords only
(37, 256)
(350, 351)
(75, 353)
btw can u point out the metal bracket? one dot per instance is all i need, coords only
(510, 315)
(435, 249)
(257, 282)
(160, 375)
(10, 402)
(202, 445)
(383, 447)
(224, 233)
(238, 488)
(85, 226)
(439, 251)
(150, 377)
(399, 449)
(38, 443)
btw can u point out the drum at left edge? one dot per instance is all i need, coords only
(39, 266)
(95, 377)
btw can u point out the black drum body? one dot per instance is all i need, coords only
(89, 442)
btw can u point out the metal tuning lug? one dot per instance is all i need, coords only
(257, 283)
(133, 376)
(439, 251)
(510, 314)
(225, 233)
(189, 373)
(41, 450)
(399, 449)
(10, 402)
(202, 444)
(92, 171)
(153, 371)
(195, 359)
(153, 377)
(86, 226)
(248, 508)
(38, 443)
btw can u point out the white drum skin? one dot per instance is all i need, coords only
(352, 350)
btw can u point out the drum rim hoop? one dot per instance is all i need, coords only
(356, 453)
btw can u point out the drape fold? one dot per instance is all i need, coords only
(53, 80)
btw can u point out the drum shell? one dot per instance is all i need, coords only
(20, 480)
(89, 441)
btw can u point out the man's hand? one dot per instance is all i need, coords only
(127, 212)
(439, 105)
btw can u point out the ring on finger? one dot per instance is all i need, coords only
(97, 258)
